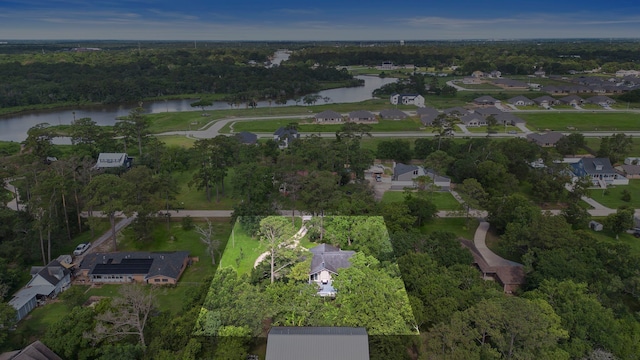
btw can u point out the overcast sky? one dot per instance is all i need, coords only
(317, 20)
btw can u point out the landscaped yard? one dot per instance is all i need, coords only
(612, 197)
(442, 199)
(189, 197)
(457, 226)
(241, 251)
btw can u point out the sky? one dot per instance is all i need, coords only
(316, 20)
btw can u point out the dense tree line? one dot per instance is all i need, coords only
(515, 58)
(127, 76)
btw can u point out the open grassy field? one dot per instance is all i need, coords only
(442, 200)
(612, 197)
(193, 120)
(457, 226)
(269, 126)
(177, 140)
(484, 86)
(583, 121)
(629, 239)
(241, 251)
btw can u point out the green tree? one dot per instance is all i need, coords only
(473, 195)
(66, 336)
(106, 192)
(137, 125)
(277, 232)
(570, 144)
(318, 192)
(7, 320)
(398, 150)
(439, 161)
(619, 222)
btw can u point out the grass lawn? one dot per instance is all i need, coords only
(191, 198)
(193, 120)
(241, 251)
(613, 198)
(177, 140)
(484, 86)
(267, 126)
(35, 325)
(594, 144)
(583, 121)
(442, 200)
(457, 226)
(624, 238)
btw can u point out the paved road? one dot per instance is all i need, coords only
(14, 203)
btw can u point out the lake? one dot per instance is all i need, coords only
(14, 127)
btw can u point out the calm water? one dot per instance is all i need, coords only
(14, 128)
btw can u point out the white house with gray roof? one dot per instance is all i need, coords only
(113, 160)
(326, 262)
(46, 282)
(407, 99)
(520, 100)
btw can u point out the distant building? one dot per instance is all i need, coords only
(328, 116)
(393, 114)
(599, 171)
(325, 263)
(548, 139)
(362, 116)
(285, 136)
(407, 99)
(113, 160)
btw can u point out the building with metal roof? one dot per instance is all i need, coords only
(317, 343)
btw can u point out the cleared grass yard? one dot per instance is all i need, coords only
(442, 200)
(241, 251)
(457, 226)
(583, 121)
(612, 197)
(306, 125)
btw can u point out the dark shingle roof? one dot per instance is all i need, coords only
(401, 168)
(36, 351)
(491, 110)
(245, 137)
(53, 273)
(328, 114)
(457, 109)
(588, 166)
(151, 264)
(550, 138)
(392, 114)
(485, 99)
(317, 343)
(330, 258)
(515, 99)
(361, 114)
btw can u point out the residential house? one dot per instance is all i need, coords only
(46, 283)
(427, 115)
(495, 74)
(573, 100)
(478, 74)
(34, 351)
(160, 268)
(510, 275)
(402, 172)
(471, 80)
(520, 101)
(486, 100)
(487, 111)
(245, 137)
(629, 171)
(407, 99)
(599, 170)
(548, 139)
(473, 120)
(387, 65)
(393, 114)
(600, 100)
(328, 116)
(508, 119)
(317, 343)
(284, 136)
(442, 182)
(456, 111)
(546, 101)
(511, 84)
(362, 116)
(113, 160)
(632, 161)
(326, 262)
(540, 73)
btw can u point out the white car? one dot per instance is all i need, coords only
(80, 249)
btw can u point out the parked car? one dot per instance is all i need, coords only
(81, 249)
(378, 178)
